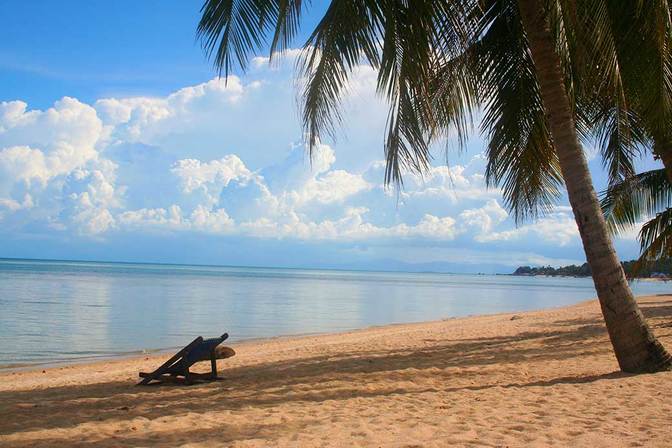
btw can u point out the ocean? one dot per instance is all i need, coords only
(65, 311)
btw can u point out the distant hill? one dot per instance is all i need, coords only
(660, 268)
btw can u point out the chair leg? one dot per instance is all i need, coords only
(213, 365)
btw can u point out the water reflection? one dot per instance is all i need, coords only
(52, 311)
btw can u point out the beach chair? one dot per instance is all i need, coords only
(178, 366)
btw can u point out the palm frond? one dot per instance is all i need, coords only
(649, 48)
(286, 24)
(624, 92)
(621, 138)
(630, 45)
(348, 32)
(405, 70)
(598, 48)
(405, 43)
(234, 30)
(454, 96)
(627, 202)
(655, 237)
(521, 158)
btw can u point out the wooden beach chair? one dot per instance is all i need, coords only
(178, 366)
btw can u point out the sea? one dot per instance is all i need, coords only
(54, 312)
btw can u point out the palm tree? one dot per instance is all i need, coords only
(437, 62)
(635, 346)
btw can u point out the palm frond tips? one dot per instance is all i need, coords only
(454, 97)
(631, 200)
(421, 42)
(404, 70)
(628, 87)
(347, 33)
(287, 24)
(521, 158)
(405, 43)
(656, 237)
(649, 47)
(621, 136)
(231, 31)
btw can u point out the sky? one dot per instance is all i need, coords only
(118, 142)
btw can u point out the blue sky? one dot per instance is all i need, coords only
(117, 142)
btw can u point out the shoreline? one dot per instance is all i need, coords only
(540, 378)
(158, 352)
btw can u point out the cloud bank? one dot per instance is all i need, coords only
(223, 158)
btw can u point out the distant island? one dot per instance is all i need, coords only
(661, 269)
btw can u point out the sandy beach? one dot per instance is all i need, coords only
(535, 379)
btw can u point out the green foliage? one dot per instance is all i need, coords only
(632, 268)
(633, 199)
(565, 271)
(521, 157)
(407, 43)
(235, 29)
(656, 237)
(630, 112)
(629, 201)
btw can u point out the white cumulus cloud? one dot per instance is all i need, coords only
(217, 158)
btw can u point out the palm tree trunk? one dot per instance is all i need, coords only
(635, 346)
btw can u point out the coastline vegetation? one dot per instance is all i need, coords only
(654, 269)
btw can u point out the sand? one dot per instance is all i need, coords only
(534, 379)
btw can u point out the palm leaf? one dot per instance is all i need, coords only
(405, 44)
(656, 237)
(521, 158)
(403, 77)
(454, 95)
(234, 30)
(621, 138)
(347, 33)
(287, 24)
(629, 93)
(629, 201)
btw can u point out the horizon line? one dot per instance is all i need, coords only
(241, 266)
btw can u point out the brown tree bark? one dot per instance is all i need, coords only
(635, 346)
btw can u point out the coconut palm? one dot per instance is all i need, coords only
(437, 62)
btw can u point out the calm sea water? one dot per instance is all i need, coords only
(54, 311)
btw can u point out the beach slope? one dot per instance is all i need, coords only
(534, 379)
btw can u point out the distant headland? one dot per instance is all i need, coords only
(660, 269)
